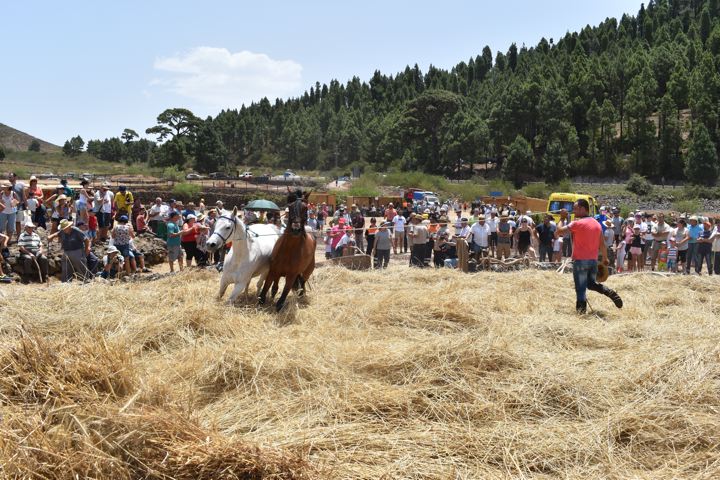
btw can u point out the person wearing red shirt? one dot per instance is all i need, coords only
(588, 241)
(190, 231)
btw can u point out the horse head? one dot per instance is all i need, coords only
(227, 229)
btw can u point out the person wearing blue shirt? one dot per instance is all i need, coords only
(601, 218)
(694, 232)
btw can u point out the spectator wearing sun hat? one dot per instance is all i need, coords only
(418, 237)
(61, 210)
(76, 247)
(31, 255)
(358, 224)
(190, 232)
(694, 230)
(113, 263)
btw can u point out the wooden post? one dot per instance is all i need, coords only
(463, 254)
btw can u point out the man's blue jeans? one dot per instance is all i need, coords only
(690, 256)
(585, 274)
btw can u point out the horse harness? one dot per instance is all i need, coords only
(232, 230)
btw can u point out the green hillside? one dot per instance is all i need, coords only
(11, 138)
(604, 101)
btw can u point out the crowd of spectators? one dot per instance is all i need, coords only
(429, 232)
(643, 241)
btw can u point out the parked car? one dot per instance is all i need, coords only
(193, 176)
(289, 173)
(246, 176)
(217, 175)
(87, 175)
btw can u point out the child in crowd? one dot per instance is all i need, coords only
(672, 256)
(328, 245)
(620, 252)
(636, 246)
(92, 226)
(662, 259)
(173, 242)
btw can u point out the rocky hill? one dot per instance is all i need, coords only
(17, 140)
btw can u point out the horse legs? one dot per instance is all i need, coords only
(266, 285)
(240, 285)
(289, 282)
(275, 286)
(223, 286)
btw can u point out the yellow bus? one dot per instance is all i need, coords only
(558, 201)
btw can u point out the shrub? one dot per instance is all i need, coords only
(639, 185)
(537, 190)
(687, 206)
(692, 192)
(186, 191)
(563, 186)
(625, 210)
(466, 191)
(173, 173)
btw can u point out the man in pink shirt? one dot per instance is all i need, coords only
(588, 241)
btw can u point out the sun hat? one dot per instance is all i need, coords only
(123, 218)
(62, 197)
(29, 224)
(481, 217)
(106, 184)
(694, 217)
(112, 249)
(191, 217)
(33, 177)
(65, 223)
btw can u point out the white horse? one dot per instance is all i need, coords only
(249, 256)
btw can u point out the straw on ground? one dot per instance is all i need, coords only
(402, 373)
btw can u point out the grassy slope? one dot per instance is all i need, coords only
(375, 377)
(28, 163)
(17, 140)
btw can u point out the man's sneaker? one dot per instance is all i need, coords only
(613, 295)
(146, 270)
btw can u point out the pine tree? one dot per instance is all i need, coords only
(210, 153)
(519, 159)
(555, 162)
(670, 138)
(701, 162)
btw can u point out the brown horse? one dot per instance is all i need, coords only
(293, 258)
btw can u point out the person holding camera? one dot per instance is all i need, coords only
(113, 263)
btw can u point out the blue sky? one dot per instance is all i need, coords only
(95, 68)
